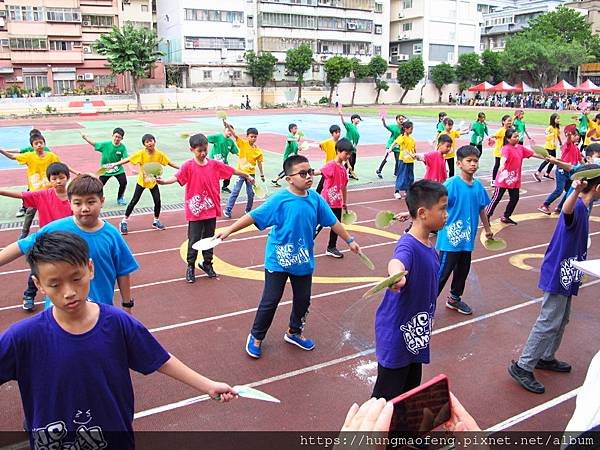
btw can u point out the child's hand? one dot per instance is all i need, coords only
(579, 185)
(221, 392)
(398, 285)
(354, 247)
(250, 179)
(489, 234)
(159, 180)
(262, 177)
(402, 217)
(223, 234)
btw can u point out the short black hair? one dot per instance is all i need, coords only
(344, 145)
(424, 194)
(36, 137)
(334, 128)
(120, 131)
(34, 131)
(355, 116)
(290, 126)
(504, 117)
(198, 140)
(406, 125)
(441, 115)
(85, 184)
(591, 182)
(592, 148)
(57, 168)
(251, 130)
(448, 121)
(148, 137)
(444, 138)
(467, 150)
(58, 246)
(293, 160)
(400, 115)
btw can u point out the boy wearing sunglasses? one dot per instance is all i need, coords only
(293, 216)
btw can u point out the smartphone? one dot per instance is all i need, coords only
(423, 408)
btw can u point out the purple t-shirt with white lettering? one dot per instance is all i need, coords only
(403, 320)
(568, 244)
(76, 389)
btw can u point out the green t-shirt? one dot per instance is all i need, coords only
(111, 154)
(395, 131)
(520, 127)
(480, 130)
(352, 133)
(30, 149)
(582, 128)
(291, 146)
(440, 127)
(222, 147)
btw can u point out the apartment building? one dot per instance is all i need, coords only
(209, 44)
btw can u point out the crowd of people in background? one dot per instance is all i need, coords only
(565, 101)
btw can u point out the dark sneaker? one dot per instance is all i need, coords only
(459, 306)
(190, 274)
(334, 252)
(378, 173)
(253, 347)
(28, 303)
(555, 365)
(208, 268)
(353, 176)
(275, 183)
(227, 214)
(507, 220)
(299, 341)
(548, 176)
(544, 209)
(226, 189)
(123, 228)
(21, 212)
(121, 202)
(536, 177)
(158, 225)
(526, 379)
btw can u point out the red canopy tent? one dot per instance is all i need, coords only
(523, 87)
(587, 86)
(503, 86)
(481, 87)
(561, 86)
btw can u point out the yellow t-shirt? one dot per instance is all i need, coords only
(499, 136)
(454, 135)
(552, 135)
(142, 157)
(592, 125)
(328, 147)
(407, 145)
(248, 156)
(36, 168)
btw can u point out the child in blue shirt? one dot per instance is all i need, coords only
(293, 216)
(467, 199)
(404, 317)
(76, 356)
(559, 281)
(113, 259)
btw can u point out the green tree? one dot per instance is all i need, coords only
(491, 68)
(441, 75)
(297, 62)
(359, 71)
(409, 74)
(377, 67)
(261, 68)
(336, 69)
(469, 69)
(132, 50)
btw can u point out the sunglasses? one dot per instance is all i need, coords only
(303, 173)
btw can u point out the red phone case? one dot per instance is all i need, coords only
(422, 387)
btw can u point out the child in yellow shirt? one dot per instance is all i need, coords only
(405, 171)
(553, 142)
(454, 135)
(328, 147)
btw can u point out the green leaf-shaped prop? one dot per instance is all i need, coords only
(384, 219)
(349, 217)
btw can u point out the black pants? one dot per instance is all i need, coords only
(136, 198)
(546, 163)
(32, 289)
(271, 296)
(226, 182)
(332, 235)
(200, 229)
(121, 178)
(582, 141)
(458, 264)
(450, 162)
(480, 148)
(496, 167)
(320, 185)
(498, 194)
(352, 161)
(393, 382)
(384, 161)
(27, 221)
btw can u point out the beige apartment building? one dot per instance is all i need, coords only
(49, 42)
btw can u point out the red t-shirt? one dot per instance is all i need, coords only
(49, 206)
(202, 188)
(435, 167)
(570, 153)
(336, 179)
(510, 176)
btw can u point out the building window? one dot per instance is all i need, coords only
(34, 82)
(407, 26)
(378, 7)
(250, 21)
(63, 15)
(28, 44)
(105, 80)
(63, 86)
(207, 74)
(346, 48)
(208, 43)
(144, 8)
(377, 50)
(237, 75)
(388, 76)
(211, 15)
(291, 21)
(98, 21)
(378, 29)
(25, 13)
(250, 44)
(61, 45)
(417, 49)
(407, 4)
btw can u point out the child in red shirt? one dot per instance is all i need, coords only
(335, 190)
(202, 179)
(509, 175)
(435, 162)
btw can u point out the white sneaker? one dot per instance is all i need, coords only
(397, 195)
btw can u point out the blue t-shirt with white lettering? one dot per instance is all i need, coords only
(77, 387)
(108, 250)
(568, 244)
(293, 220)
(403, 320)
(465, 202)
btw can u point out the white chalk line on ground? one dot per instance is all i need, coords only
(286, 375)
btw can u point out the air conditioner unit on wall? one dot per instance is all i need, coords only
(88, 76)
(403, 36)
(86, 23)
(351, 26)
(240, 58)
(403, 57)
(401, 15)
(80, 77)
(189, 45)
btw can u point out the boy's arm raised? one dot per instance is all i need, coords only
(174, 368)
(568, 207)
(87, 139)
(10, 253)
(7, 154)
(12, 194)
(230, 128)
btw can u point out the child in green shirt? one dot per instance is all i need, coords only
(291, 148)
(480, 131)
(353, 136)
(395, 131)
(222, 146)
